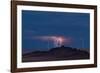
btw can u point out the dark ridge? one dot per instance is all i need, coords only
(58, 53)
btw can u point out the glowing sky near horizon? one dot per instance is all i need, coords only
(56, 40)
(43, 28)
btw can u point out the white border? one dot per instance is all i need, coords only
(53, 63)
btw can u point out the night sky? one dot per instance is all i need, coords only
(37, 25)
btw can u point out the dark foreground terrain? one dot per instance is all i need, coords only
(58, 53)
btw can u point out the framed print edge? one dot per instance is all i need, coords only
(14, 36)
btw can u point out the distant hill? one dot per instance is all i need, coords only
(58, 53)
